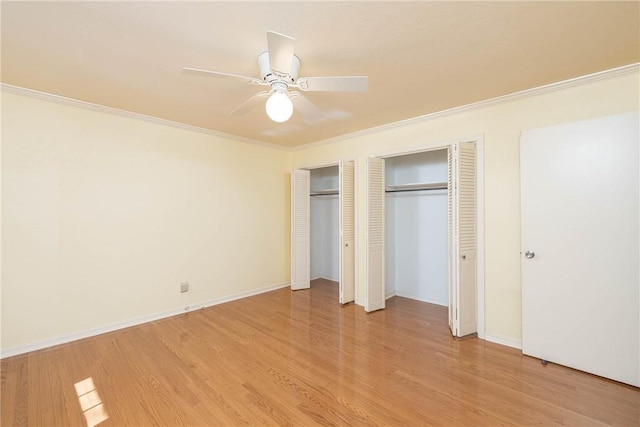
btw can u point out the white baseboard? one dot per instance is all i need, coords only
(430, 301)
(326, 278)
(63, 339)
(508, 341)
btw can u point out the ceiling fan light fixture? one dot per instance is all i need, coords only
(279, 107)
(279, 68)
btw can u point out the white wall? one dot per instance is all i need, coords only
(426, 166)
(326, 178)
(104, 216)
(324, 237)
(325, 226)
(500, 123)
(421, 269)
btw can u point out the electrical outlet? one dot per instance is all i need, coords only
(184, 287)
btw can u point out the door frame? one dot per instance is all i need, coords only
(355, 207)
(480, 255)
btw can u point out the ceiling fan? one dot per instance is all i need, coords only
(279, 68)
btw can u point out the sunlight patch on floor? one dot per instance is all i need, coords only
(90, 402)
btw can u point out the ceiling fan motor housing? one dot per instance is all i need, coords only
(268, 75)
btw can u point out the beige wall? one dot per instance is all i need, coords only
(103, 216)
(500, 126)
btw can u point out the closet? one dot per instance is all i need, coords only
(416, 227)
(417, 243)
(323, 227)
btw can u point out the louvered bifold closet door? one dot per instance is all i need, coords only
(466, 237)
(347, 232)
(300, 229)
(375, 289)
(453, 265)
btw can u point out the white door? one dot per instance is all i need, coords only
(375, 289)
(580, 245)
(300, 234)
(462, 239)
(347, 232)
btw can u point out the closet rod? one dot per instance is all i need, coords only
(417, 186)
(324, 194)
(415, 189)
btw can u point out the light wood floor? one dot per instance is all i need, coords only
(299, 358)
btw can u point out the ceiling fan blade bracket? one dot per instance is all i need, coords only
(302, 84)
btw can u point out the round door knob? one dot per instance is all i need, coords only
(529, 254)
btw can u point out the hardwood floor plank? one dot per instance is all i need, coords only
(300, 358)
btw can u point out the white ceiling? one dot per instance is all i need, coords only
(421, 57)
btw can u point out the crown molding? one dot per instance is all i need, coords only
(17, 90)
(552, 87)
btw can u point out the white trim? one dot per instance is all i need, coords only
(390, 295)
(427, 300)
(326, 278)
(480, 312)
(326, 165)
(421, 148)
(63, 339)
(502, 340)
(16, 90)
(540, 90)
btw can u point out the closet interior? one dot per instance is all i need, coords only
(325, 225)
(416, 226)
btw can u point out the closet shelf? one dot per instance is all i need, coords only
(417, 186)
(328, 192)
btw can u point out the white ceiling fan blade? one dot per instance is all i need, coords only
(249, 104)
(281, 49)
(334, 84)
(250, 80)
(305, 107)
